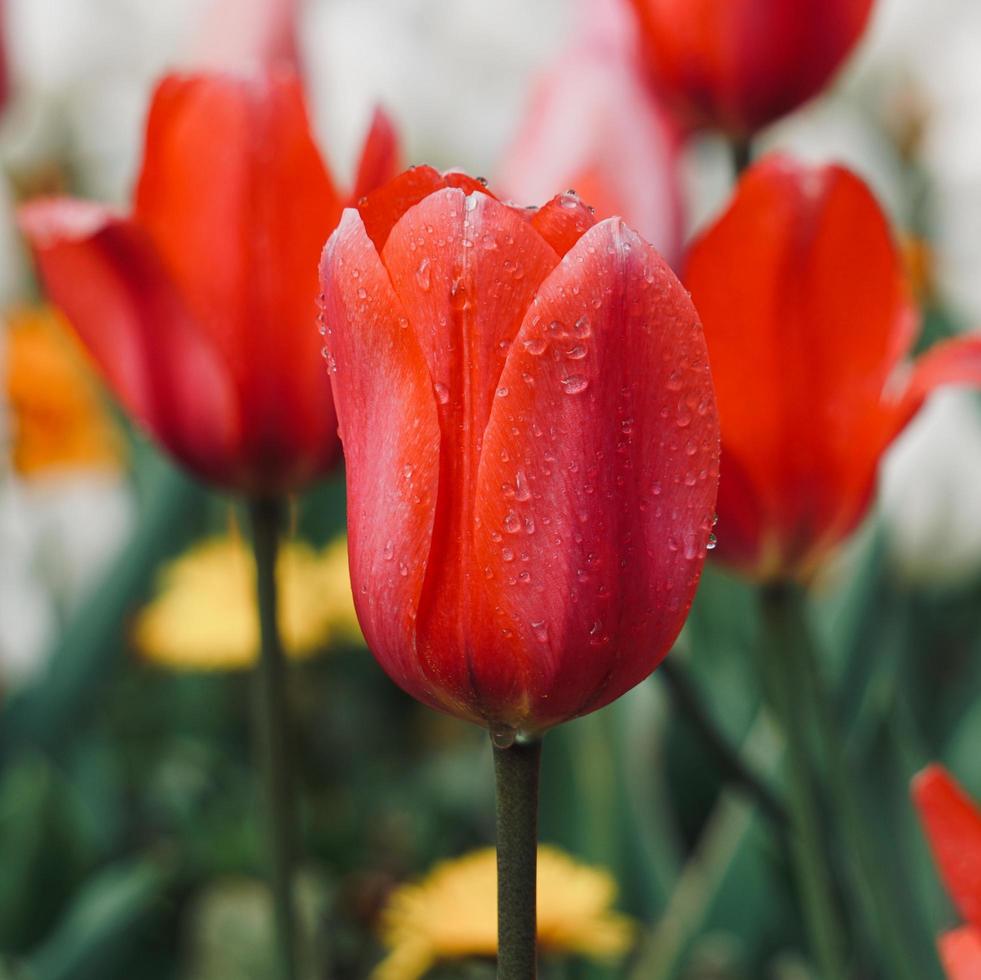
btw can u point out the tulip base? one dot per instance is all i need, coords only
(517, 775)
(272, 730)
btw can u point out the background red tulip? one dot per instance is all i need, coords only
(199, 306)
(531, 448)
(739, 64)
(953, 826)
(809, 319)
(594, 124)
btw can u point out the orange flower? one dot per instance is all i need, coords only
(59, 419)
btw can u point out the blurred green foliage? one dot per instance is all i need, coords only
(129, 839)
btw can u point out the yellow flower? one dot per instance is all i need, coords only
(205, 616)
(452, 914)
(59, 418)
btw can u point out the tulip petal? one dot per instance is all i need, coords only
(953, 827)
(379, 161)
(466, 269)
(103, 272)
(960, 952)
(951, 362)
(597, 482)
(804, 301)
(382, 209)
(563, 221)
(391, 437)
(238, 203)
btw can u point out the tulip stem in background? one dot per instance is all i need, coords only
(742, 154)
(872, 887)
(731, 766)
(272, 729)
(807, 846)
(516, 768)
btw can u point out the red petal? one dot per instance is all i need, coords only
(104, 274)
(953, 826)
(595, 125)
(381, 210)
(238, 203)
(563, 221)
(596, 486)
(806, 311)
(391, 438)
(739, 64)
(379, 161)
(466, 269)
(951, 362)
(960, 951)
(246, 37)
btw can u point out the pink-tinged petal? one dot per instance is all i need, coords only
(246, 37)
(951, 362)
(803, 297)
(563, 221)
(389, 427)
(597, 483)
(960, 953)
(466, 269)
(238, 203)
(953, 827)
(380, 156)
(103, 272)
(382, 209)
(593, 124)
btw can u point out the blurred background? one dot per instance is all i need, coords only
(129, 844)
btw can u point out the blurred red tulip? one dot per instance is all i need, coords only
(740, 64)
(199, 307)
(243, 36)
(808, 319)
(953, 826)
(594, 124)
(531, 447)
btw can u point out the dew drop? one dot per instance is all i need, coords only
(502, 736)
(535, 345)
(576, 353)
(442, 392)
(575, 384)
(422, 274)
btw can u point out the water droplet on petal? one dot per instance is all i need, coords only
(575, 384)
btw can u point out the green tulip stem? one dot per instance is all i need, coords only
(876, 896)
(807, 846)
(272, 730)
(516, 767)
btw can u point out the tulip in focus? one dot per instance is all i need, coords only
(809, 322)
(199, 305)
(531, 447)
(740, 64)
(953, 826)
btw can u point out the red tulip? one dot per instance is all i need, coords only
(953, 826)
(531, 447)
(594, 124)
(740, 64)
(809, 321)
(199, 306)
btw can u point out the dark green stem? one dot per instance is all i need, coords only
(272, 729)
(742, 154)
(516, 769)
(868, 876)
(808, 851)
(731, 766)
